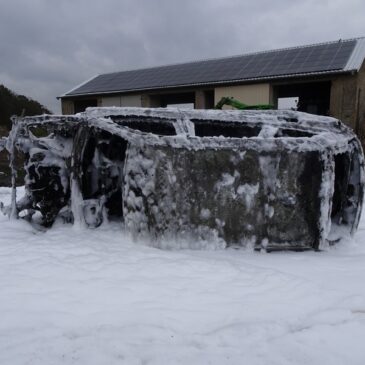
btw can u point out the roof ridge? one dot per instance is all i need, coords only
(231, 57)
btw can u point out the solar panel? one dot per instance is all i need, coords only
(315, 58)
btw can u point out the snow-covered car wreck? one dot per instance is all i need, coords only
(270, 179)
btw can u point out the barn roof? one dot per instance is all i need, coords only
(332, 57)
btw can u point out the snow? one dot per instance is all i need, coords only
(71, 295)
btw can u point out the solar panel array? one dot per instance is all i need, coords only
(300, 60)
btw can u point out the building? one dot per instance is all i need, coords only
(327, 78)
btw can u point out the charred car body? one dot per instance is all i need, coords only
(270, 179)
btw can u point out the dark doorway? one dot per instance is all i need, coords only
(312, 97)
(181, 98)
(209, 99)
(81, 105)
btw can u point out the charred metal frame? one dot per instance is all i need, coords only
(270, 179)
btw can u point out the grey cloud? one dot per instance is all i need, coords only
(49, 46)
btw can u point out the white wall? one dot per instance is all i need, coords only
(247, 94)
(110, 101)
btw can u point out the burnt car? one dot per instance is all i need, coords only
(269, 179)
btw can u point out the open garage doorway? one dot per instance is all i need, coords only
(311, 97)
(196, 99)
(173, 99)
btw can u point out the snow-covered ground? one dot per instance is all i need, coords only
(72, 296)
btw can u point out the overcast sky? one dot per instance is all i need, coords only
(48, 47)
